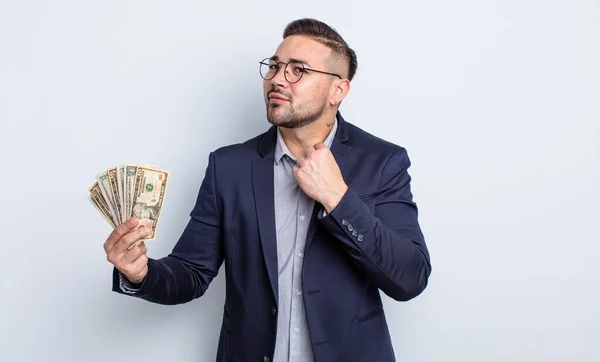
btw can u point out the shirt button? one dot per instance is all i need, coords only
(301, 217)
(296, 329)
(299, 292)
(300, 255)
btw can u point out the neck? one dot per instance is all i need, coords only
(297, 139)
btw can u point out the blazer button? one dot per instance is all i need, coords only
(360, 237)
(354, 233)
(266, 359)
(350, 227)
(344, 222)
(274, 310)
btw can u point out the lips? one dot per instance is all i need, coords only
(274, 97)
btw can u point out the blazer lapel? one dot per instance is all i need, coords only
(264, 198)
(263, 182)
(341, 153)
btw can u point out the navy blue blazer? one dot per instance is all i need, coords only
(370, 242)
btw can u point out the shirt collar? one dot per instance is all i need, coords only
(282, 150)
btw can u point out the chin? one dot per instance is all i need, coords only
(277, 116)
(281, 122)
(289, 118)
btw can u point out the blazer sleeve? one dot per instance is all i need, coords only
(387, 245)
(187, 271)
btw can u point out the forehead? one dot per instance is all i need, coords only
(302, 48)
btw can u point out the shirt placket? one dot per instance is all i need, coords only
(299, 334)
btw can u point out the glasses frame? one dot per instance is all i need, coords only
(267, 60)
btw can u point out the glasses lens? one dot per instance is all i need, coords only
(268, 68)
(294, 71)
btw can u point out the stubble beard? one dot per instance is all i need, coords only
(284, 115)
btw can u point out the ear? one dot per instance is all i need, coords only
(339, 90)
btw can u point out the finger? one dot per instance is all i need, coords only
(135, 251)
(143, 247)
(296, 171)
(132, 254)
(138, 240)
(134, 236)
(135, 244)
(135, 269)
(319, 145)
(300, 162)
(139, 265)
(309, 151)
(119, 232)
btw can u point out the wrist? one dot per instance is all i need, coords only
(135, 282)
(332, 200)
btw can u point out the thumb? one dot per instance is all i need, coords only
(319, 145)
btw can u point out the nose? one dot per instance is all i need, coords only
(279, 79)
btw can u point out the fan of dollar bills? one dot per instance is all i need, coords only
(130, 190)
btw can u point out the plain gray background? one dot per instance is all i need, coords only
(497, 102)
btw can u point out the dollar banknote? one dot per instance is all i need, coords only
(120, 179)
(106, 193)
(114, 193)
(130, 171)
(102, 211)
(129, 190)
(148, 196)
(100, 204)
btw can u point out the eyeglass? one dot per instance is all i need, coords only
(294, 70)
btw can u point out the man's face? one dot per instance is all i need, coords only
(298, 104)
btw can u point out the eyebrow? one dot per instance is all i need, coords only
(276, 58)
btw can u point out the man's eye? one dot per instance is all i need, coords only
(299, 70)
(273, 66)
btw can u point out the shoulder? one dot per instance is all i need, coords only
(376, 146)
(384, 162)
(243, 151)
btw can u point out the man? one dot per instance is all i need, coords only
(312, 219)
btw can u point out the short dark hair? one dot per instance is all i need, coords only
(326, 35)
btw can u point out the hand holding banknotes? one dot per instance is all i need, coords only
(122, 252)
(130, 190)
(130, 198)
